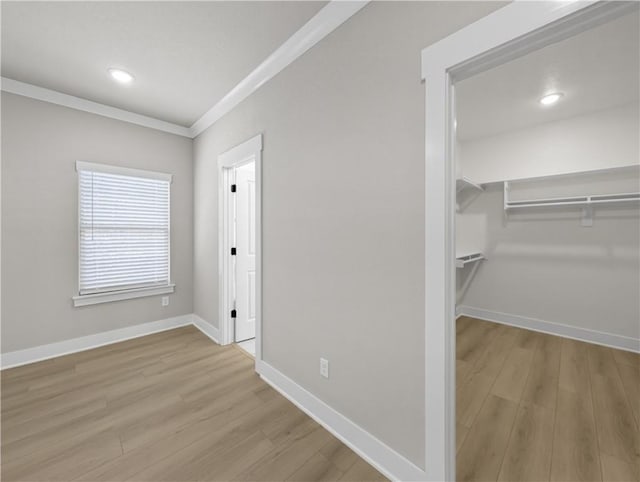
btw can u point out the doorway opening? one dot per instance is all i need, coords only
(507, 34)
(243, 256)
(239, 245)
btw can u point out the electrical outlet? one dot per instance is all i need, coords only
(324, 367)
(165, 301)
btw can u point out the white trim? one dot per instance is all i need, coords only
(487, 42)
(107, 297)
(258, 168)
(241, 153)
(439, 285)
(65, 100)
(381, 456)
(52, 350)
(330, 17)
(123, 171)
(509, 32)
(206, 328)
(567, 331)
(225, 296)
(248, 151)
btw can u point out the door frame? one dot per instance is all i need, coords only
(506, 34)
(248, 151)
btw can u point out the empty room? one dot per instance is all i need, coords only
(214, 212)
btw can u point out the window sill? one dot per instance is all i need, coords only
(93, 299)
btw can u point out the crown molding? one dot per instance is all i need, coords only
(330, 17)
(54, 97)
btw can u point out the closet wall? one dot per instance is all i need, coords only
(598, 140)
(543, 265)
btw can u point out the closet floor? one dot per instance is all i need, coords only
(538, 407)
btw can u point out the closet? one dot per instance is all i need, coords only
(548, 188)
(553, 239)
(547, 268)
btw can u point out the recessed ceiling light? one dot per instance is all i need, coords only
(551, 99)
(121, 76)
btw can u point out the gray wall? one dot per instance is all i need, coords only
(40, 144)
(343, 214)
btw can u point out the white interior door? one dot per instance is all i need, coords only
(245, 272)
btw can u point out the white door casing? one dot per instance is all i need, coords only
(245, 258)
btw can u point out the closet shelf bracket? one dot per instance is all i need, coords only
(587, 216)
(464, 259)
(465, 185)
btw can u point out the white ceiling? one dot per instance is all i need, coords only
(185, 56)
(597, 69)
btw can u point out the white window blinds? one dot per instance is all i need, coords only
(124, 228)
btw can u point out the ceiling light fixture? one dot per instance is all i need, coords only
(121, 76)
(551, 99)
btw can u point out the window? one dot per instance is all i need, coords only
(123, 225)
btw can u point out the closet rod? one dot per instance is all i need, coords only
(575, 201)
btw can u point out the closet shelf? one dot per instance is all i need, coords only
(464, 183)
(463, 259)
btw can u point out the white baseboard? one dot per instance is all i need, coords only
(52, 350)
(206, 328)
(552, 328)
(385, 459)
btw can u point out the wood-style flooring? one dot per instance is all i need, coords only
(536, 407)
(172, 406)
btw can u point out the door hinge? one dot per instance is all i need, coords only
(233, 251)
(233, 188)
(233, 313)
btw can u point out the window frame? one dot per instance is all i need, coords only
(127, 293)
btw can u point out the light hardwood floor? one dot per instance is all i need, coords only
(171, 406)
(536, 407)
